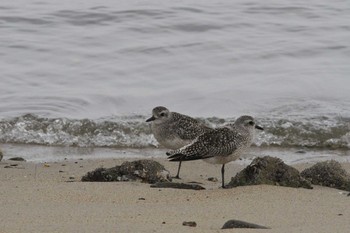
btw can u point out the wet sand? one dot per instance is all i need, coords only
(38, 197)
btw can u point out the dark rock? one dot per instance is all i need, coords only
(241, 224)
(1, 155)
(147, 171)
(14, 166)
(269, 170)
(142, 198)
(189, 224)
(177, 186)
(194, 182)
(17, 159)
(328, 173)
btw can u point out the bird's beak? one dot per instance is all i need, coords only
(150, 119)
(259, 127)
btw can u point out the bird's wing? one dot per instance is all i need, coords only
(190, 127)
(218, 142)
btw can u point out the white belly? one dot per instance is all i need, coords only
(225, 159)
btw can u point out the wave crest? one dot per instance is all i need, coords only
(134, 132)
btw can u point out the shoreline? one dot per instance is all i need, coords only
(49, 197)
(40, 153)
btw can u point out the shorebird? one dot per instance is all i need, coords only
(221, 145)
(173, 130)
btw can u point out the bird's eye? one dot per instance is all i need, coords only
(251, 122)
(162, 114)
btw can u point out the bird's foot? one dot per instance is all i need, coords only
(176, 177)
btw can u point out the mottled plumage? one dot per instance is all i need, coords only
(220, 145)
(173, 130)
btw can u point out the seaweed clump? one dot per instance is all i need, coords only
(271, 171)
(147, 171)
(328, 173)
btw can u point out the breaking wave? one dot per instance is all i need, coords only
(134, 132)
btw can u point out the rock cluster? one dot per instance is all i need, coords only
(262, 170)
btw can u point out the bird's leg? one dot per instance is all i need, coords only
(178, 171)
(223, 175)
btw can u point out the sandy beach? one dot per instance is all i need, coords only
(38, 197)
(79, 79)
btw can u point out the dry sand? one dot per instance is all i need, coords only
(51, 198)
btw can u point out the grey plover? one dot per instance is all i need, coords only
(173, 130)
(221, 145)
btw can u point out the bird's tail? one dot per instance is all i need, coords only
(187, 153)
(175, 155)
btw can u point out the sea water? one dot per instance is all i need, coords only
(87, 73)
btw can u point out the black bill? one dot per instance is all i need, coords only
(150, 119)
(259, 127)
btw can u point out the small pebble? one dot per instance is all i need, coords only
(142, 198)
(213, 179)
(163, 222)
(46, 165)
(15, 166)
(71, 177)
(189, 224)
(241, 224)
(60, 171)
(17, 159)
(177, 185)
